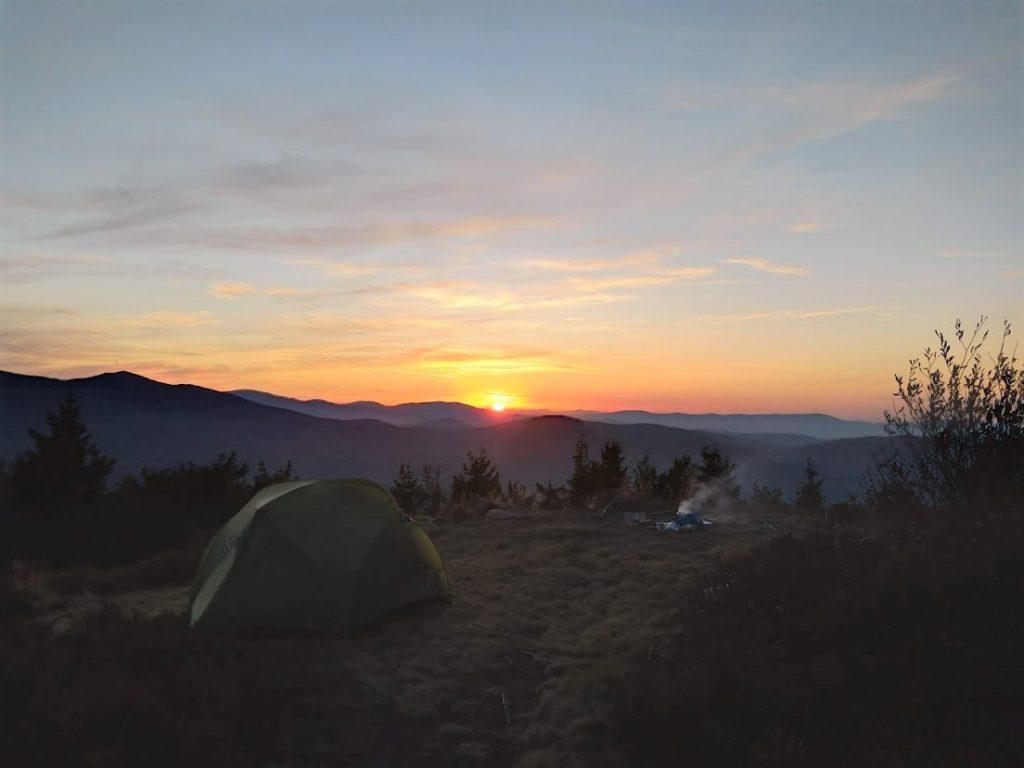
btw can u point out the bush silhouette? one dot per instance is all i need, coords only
(479, 478)
(201, 495)
(677, 482)
(264, 477)
(766, 497)
(838, 648)
(960, 421)
(551, 497)
(55, 507)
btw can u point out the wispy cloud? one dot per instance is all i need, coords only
(352, 269)
(839, 106)
(806, 227)
(955, 254)
(18, 269)
(642, 258)
(818, 111)
(461, 362)
(236, 290)
(639, 269)
(477, 295)
(170, 319)
(232, 290)
(663, 276)
(349, 237)
(127, 220)
(23, 269)
(789, 314)
(761, 265)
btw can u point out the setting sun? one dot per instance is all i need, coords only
(499, 402)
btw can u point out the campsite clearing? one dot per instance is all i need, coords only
(545, 611)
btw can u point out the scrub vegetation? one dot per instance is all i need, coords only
(884, 631)
(56, 505)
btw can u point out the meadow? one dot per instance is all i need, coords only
(546, 609)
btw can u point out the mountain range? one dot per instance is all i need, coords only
(142, 422)
(817, 425)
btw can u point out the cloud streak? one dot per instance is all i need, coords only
(32, 268)
(468, 362)
(762, 265)
(789, 314)
(238, 290)
(815, 112)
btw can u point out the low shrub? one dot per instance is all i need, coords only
(17, 588)
(121, 691)
(167, 569)
(898, 648)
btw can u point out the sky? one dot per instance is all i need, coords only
(721, 207)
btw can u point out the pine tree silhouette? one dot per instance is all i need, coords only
(64, 472)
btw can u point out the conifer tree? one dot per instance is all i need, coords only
(809, 496)
(612, 472)
(479, 477)
(645, 477)
(407, 490)
(580, 483)
(64, 472)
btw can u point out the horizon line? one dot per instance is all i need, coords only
(528, 412)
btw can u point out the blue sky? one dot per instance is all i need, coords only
(695, 207)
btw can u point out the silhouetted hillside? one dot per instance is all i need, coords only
(403, 415)
(814, 425)
(841, 463)
(144, 422)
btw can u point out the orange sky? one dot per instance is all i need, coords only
(731, 208)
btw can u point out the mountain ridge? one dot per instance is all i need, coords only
(142, 422)
(820, 426)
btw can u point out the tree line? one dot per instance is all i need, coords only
(595, 479)
(57, 502)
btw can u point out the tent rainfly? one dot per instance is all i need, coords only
(311, 555)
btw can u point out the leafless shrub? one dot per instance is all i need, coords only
(960, 421)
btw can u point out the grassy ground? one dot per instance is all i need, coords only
(515, 670)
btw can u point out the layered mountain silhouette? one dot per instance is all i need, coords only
(443, 414)
(816, 425)
(142, 422)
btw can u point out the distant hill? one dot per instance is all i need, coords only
(144, 422)
(817, 425)
(841, 463)
(404, 415)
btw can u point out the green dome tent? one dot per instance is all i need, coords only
(314, 554)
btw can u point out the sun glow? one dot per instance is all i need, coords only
(499, 402)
